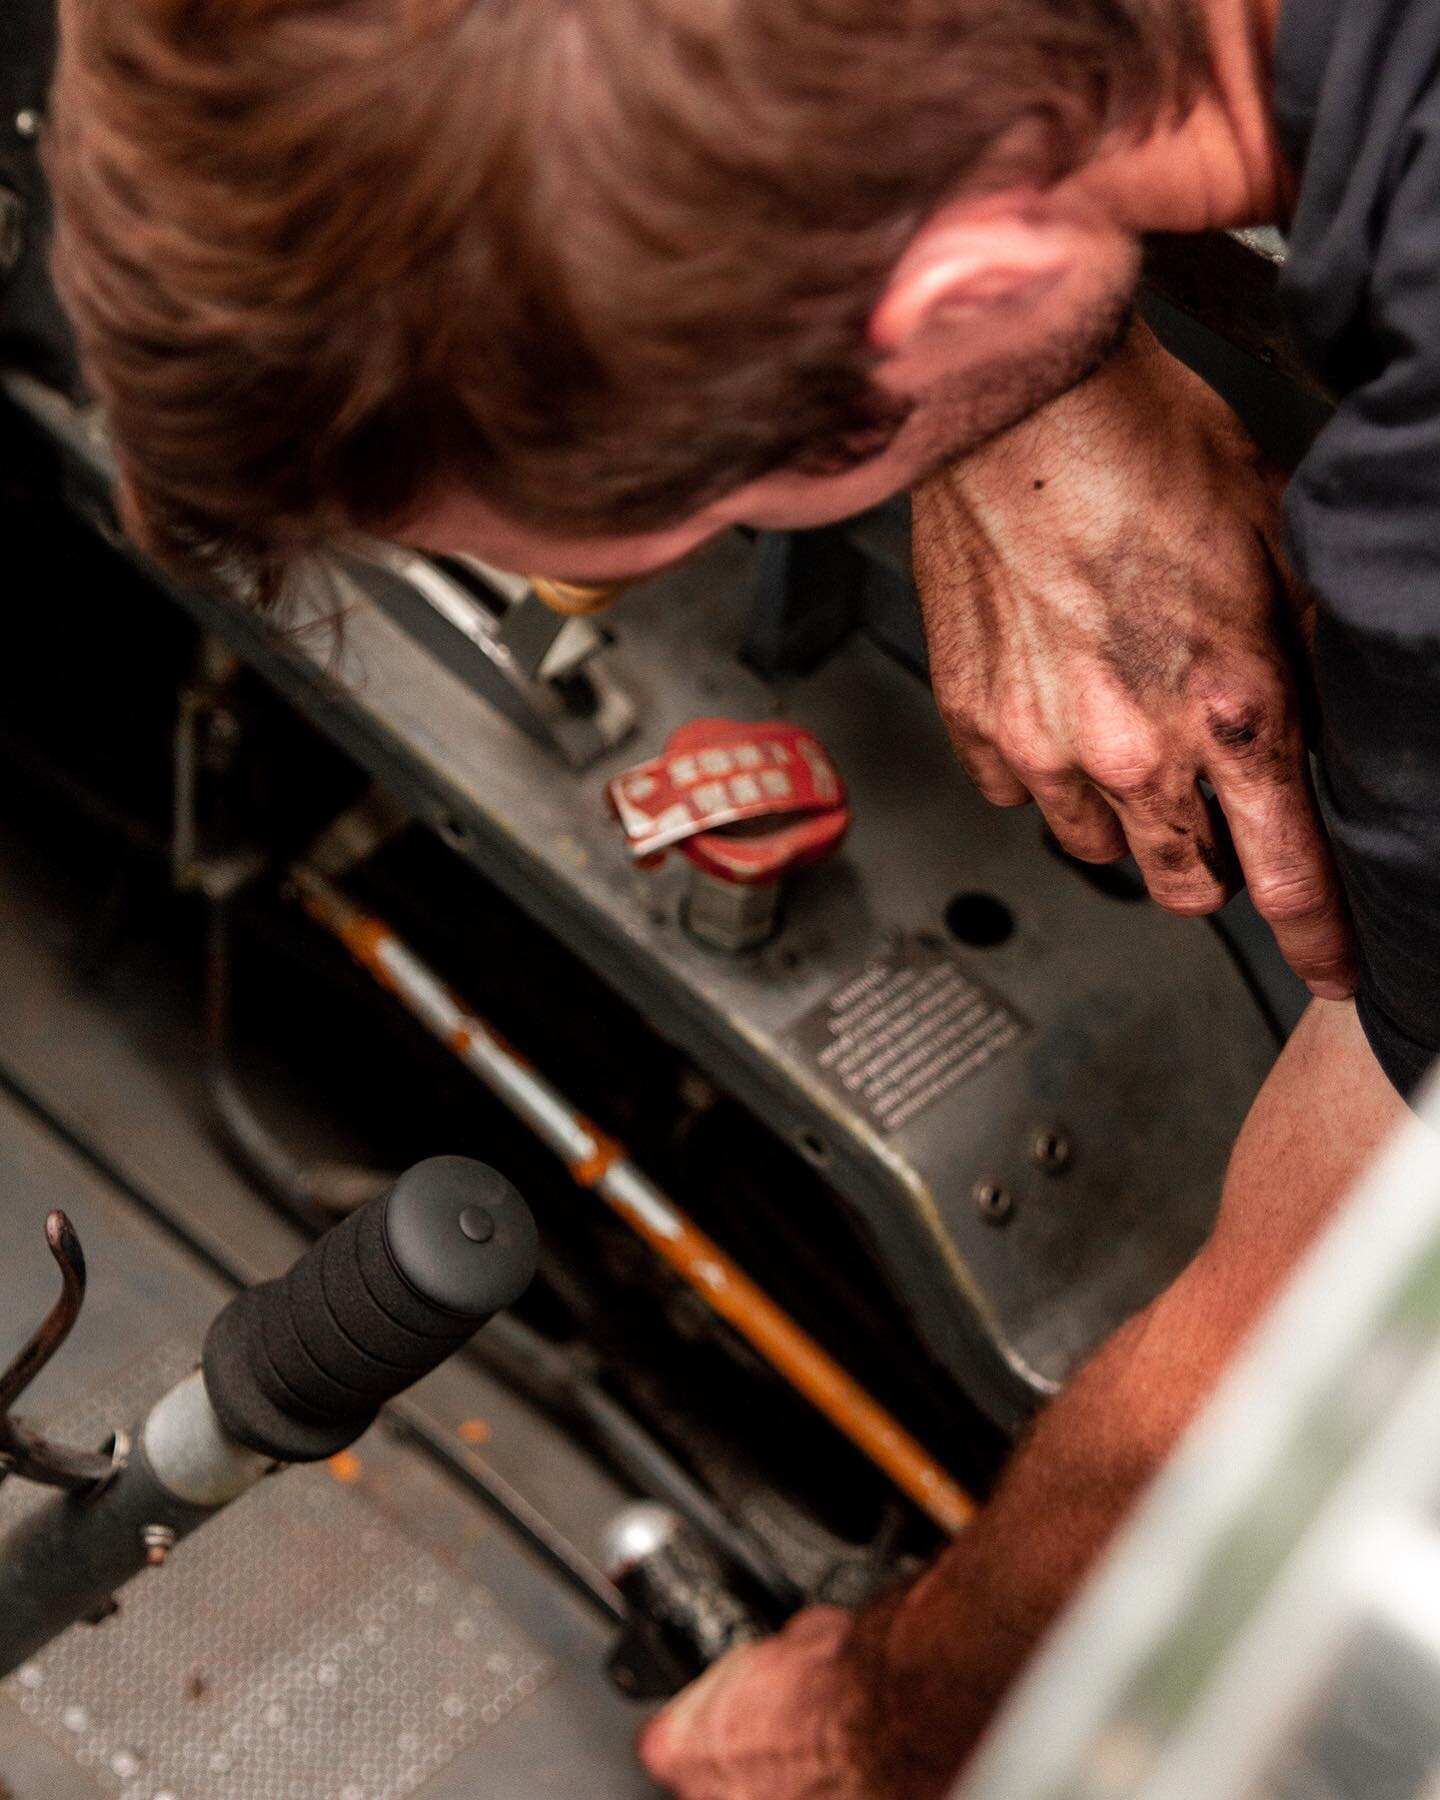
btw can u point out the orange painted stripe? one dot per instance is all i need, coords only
(590, 1170)
(809, 1369)
(726, 1288)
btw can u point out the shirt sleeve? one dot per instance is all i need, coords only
(1364, 524)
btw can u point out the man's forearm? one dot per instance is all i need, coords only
(935, 1661)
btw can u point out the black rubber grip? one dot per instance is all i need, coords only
(298, 1367)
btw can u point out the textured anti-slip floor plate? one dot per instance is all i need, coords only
(301, 1647)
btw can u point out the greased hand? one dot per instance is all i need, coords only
(1110, 622)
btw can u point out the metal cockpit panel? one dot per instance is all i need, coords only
(1067, 1163)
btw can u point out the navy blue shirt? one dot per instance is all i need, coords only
(1358, 105)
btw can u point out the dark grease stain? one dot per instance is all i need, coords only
(1219, 860)
(1172, 856)
(1235, 731)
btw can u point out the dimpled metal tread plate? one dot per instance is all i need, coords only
(300, 1647)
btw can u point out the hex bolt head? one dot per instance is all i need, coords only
(993, 1202)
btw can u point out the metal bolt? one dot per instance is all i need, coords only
(159, 1541)
(27, 123)
(993, 1202)
(1051, 1150)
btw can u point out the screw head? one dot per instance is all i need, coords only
(477, 1224)
(1051, 1150)
(993, 1202)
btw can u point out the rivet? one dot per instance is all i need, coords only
(993, 1202)
(1051, 1150)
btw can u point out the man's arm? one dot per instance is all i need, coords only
(887, 1707)
(1110, 622)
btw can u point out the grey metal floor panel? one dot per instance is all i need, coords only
(552, 1727)
(303, 1644)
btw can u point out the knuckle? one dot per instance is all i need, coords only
(1037, 765)
(1288, 899)
(1125, 762)
(958, 711)
(1181, 879)
(1133, 783)
(1244, 725)
(998, 791)
(979, 766)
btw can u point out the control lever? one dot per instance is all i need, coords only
(683, 1613)
(298, 1367)
(293, 1371)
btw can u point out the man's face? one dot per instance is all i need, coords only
(967, 374)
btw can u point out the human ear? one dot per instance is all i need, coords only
(970, 260)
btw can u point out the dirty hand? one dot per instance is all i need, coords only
(771, 1721)
(1110, 621)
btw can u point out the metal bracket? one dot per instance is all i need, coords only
(538, 667)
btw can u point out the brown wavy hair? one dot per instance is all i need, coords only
(600, 261)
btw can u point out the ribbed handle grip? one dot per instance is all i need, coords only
(298, 1367)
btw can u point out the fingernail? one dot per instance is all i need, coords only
(1332, 990)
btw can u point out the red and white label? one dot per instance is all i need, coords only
(717, 772)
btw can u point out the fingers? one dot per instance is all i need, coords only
(1150, 785)
(1131, 787)
(1184, 856)
(1076, 813)
(1084, 825)
(760, 1722)
(675, 1736)
(1261, 778)
(990, 772)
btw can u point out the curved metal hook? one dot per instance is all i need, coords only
(24, 1451)
(56, 1327)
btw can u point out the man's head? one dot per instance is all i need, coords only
(573, 283)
